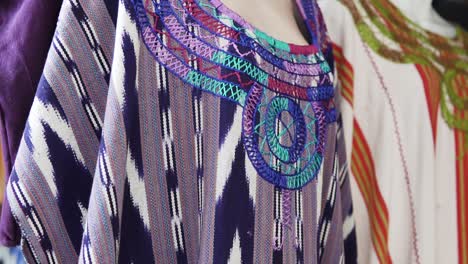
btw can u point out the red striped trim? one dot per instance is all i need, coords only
(460, 82)
(345, 74)
(431, 79)
(363, 170)
(362, 166)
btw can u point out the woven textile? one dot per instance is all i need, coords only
(408, 161)
(174, 132)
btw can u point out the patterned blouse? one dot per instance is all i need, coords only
(172, 131)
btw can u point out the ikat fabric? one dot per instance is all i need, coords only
(173, 131)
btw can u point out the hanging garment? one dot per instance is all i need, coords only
(26, 29)
(175, 132)
(8, 255)
(403, 93)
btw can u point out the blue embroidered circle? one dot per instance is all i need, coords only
(282, 87)
(276, 107)
(291, 166)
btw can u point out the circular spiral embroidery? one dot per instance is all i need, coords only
(284, 141)
(277, 106)
(285, 110)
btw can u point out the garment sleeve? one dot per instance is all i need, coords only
(51, 181)
(118, 186)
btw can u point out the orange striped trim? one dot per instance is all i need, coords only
(363, 169)
(431, 79)
(345, 74)
(462, 182)
(362, 166)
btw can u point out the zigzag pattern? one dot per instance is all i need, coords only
(198, 48)
(179, 66)
(203, 22)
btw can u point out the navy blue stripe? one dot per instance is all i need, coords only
(73, 181)
(235, 213)
(112, 8)
(135, 241)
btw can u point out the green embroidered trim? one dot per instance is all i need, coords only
(231, 91)
(418, 54)
(418, 47)
(457, 101)
(417, 31)
(241, 65)
(421, 52)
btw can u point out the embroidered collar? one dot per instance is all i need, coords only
(211, 49)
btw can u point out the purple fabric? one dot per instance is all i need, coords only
(26, 27)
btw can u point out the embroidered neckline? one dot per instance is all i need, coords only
(226, 62)
(391, 35)
(416, 44)
(230, 18)
(276, 76)
(234, 28)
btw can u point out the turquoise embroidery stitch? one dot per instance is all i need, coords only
(296, 164)
(241, 65)
(228, 90)
(283, 124)
(277, 106)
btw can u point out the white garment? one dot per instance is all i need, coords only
(392, 114)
